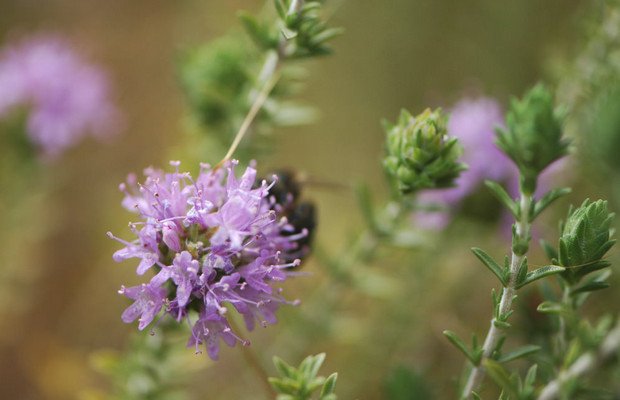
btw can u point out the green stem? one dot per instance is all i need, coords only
(494, 333)
(584, 364)
(563, 328)
(267, 78)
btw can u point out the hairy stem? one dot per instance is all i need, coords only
(263, 95)
(563, 323)
(267, 79)
(505, 306)
(584, 364)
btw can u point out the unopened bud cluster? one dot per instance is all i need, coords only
(533, 135)
(420, 154)
(585, 239)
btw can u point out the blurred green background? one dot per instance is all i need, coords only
(59, 302)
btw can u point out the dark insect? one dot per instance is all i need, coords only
(301, 215)
(287, 188)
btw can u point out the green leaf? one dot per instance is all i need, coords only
(503, 197)
(459, 344)
(530, 378)
(259, 33)
(316, 365)
(326, 35)
(283, 368)
(573, 353)
(285, 385)
(501, 324)
(518, 353)
(280, 8)
(522, 273)
(549, 198)
(309, 367)
(289, 34)
(540, 273)
(590, 287)
(591, 267)
(330, 386)
(550, 251)
(501, 377)
(551, 307)
(490, 264)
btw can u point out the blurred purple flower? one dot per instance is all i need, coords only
(213, 240)
(66, 98)
(473, 122)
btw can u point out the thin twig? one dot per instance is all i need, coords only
(508, 294)
(584, 364)
(263, 95)
(268, 77)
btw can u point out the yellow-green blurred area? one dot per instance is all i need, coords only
(59, 306)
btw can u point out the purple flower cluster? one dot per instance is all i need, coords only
(66, 98)
(213, 241)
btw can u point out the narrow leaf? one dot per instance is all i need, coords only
(501, 324)
(549, 198)
(316, 364)
(499, 374)
(490, 264)
(329, 386)
(283, 368)
(458, 343)
(306, 365)
(326, 36)
(540, 273)
(550, 307)
(518, 353)
(251, 25)
(530, 378)
(590, 287)
(280, 8)
(286, 386)
(311, 6)
(522, 273)
(550, 251)
(503, 197)
(595, 266)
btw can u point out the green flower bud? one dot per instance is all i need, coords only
(533, 135)
(585, 239)
(420, 155)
